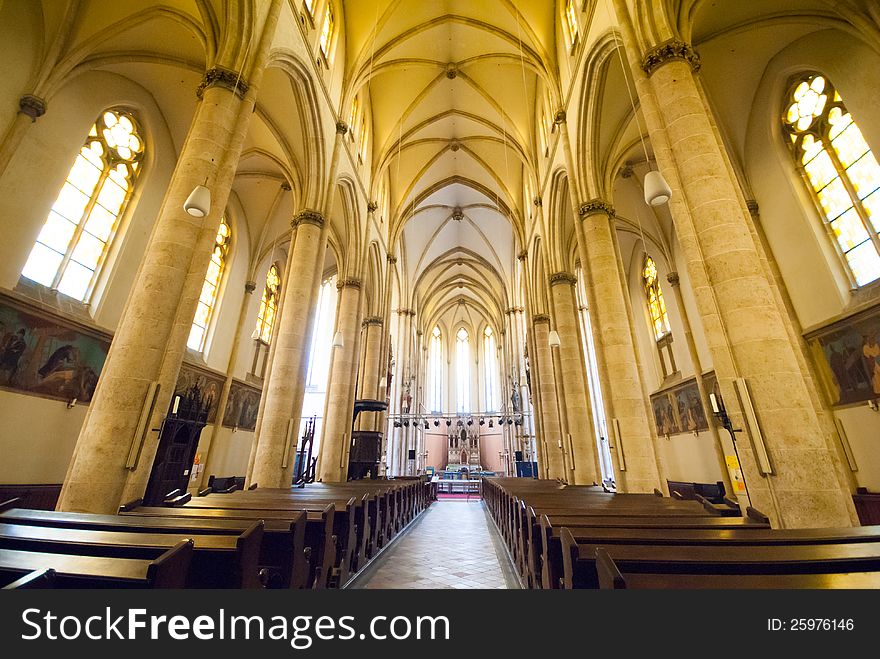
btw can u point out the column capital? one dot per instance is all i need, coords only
(752, 205)
(596, 206)
(672, 278)
(32, 106)
(220, 77)
(669, 51)
(372, 320)
(285, 186)
(351, 282)
(250, 287)
(406, 312)
(341, 128)
(522, 255)
(308, 216)
(541, 318)
(562, 278)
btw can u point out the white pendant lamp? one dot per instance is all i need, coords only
(198, 204)
(337, 340)
(553, 339)
(657, 190)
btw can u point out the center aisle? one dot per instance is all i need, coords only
(451, 545)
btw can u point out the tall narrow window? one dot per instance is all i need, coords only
(658, 315)
(73, 244)
(571, 22)
(205, 309)
(462, 372)
(362, 139)
(268, 305)
(310, 6)
(842, 172)
(327, 31)
(435, 361)
(322, 336)
(490, 362)
(353, 117)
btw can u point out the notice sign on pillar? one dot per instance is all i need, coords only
(736, 477)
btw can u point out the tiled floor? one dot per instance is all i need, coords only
(452, 545)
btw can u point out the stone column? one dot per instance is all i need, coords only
(742, 319)
(626, 397)
(339, 402)
(573, 374)
(150, 340)
(673, 280)
(370, 369)
(285, 387)
(547, 394)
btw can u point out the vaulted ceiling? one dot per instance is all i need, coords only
(452, 86)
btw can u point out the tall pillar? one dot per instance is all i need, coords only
(742, 319)
(285, 387)
(573, 373)
(150, 342)
(370, 368)
(546, 389)
(626, 397)
(339, 402)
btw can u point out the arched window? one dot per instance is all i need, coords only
(658, 315)
(268, 305)
(208, 298)
(571, 22)
(322, 335)
(490, 362)
(463, 371)
(327, 30)
(841, 169)
(435, 361)
(73, 244)
(310, 6)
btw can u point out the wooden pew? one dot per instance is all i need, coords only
(755, 558)
(218, 561)
(284, 556)
(36, 580)
(71, 571)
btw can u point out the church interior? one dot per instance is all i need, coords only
(595, 282)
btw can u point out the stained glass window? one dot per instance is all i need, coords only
(327, 31)
(841, 170)
(656, 304)
(490, 362)
(571, 21)
(73, 243)
(205, 309)
(435, 361)
(268, 305)
(463, 371)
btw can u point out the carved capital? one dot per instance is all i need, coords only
(351, 282)
(667, 52)
(596, 206)
(406, 312)
(308, 216)
(541, 318)
(672, 278)
(285, 186)
(752, 205)
(372, 207)
(559, 117)
(219, 77)
(563, 278)
(250, 287)
(32, 106)
(372, 320)
(627, 170)
(522, 255)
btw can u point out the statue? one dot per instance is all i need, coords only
(405, 398)
(514, 396)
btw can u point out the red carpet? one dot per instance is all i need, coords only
(458, 495)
